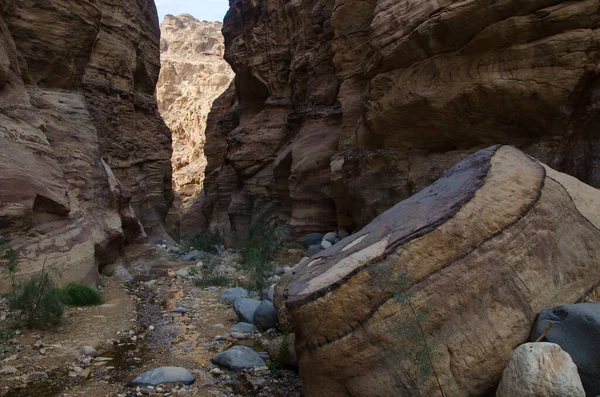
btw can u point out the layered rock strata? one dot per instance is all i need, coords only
(84, 154)
(192, 76)
(449, 280)
(346, 107)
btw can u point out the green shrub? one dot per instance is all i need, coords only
(75, 294)
(206, 241)
(275, 369)
(209, 277)
(258, 249)
(39, 301)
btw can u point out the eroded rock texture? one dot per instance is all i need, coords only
(473, 257)
(192, 76)
(84, 154)
(346, 107)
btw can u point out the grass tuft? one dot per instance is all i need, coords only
(75, 294)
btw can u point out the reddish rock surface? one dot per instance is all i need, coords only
(346, 107)
(84, 154)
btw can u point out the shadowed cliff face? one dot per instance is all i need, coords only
(192, 76)
(84, 154)
(346, 107)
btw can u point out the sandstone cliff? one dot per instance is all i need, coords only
(192, 76)
(84, 154)
(346, 107)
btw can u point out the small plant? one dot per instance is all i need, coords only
(275, 369)
(207, 241)
(209, 277)
(39, 301)
(258, 249)
(75, 294)
(10, 257)
(411, 356)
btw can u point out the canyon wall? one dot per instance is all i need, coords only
(342, 108)
(192, 76)
(84, 154)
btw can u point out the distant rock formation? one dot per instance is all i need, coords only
(192, 76)
(447, 282)
(84, 154)
(346, 107)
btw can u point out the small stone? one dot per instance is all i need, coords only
(42, 351)
(219, 338)
(238, 358)
(239, 335)
(86, 372)
(180, 309)
(243, 328)
(89, 351)
(11, 358)
(78, 369)
(8, 370)
(164, 375)
(151, 328)
(216, 371)
(326, 244)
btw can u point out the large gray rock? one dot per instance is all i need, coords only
(267, 293)
(192, 256)
(331, 237)
(162, 375)
(576, 330)
(238, 358)
(313, 239)
(540, 370)
(243, 328)
(233, 294)
(265, 315)
(245, 308)
(314, 249)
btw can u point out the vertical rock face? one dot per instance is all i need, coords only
(192, 76)
(346, 107)
(84, 154)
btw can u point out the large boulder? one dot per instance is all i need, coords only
(245, 309)
(238, 358)
(576, 329)
(438, 290)
(232, 294)
(164, 375)
(540, 370)
(265, 315)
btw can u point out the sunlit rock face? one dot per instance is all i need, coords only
(192, 76)
(84, 154)
(345, 107)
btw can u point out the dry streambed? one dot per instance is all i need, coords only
(161, 319)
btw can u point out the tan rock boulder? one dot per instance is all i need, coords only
(434, 293)
(540, 370)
